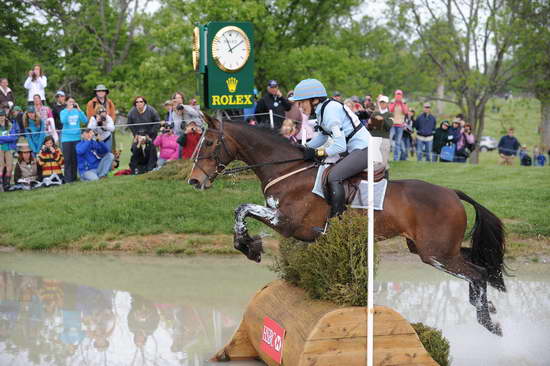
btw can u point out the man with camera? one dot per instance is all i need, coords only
(103, 126)
(143, 117)
(94, 158)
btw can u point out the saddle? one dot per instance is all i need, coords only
(351, 185)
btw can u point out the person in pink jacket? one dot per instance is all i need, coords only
(167, 143)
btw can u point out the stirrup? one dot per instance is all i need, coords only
(321, 230)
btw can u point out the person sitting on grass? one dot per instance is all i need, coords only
(8, 140)
(94, 157)
(27, 173)
(51, 161)
(167, 142)
(144, 154)
(190, 139)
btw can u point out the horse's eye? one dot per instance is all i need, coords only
(208, 143)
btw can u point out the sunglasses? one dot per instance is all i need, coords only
(140, 101)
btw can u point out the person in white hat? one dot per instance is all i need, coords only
(380, 125)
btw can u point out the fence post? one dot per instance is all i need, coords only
(370, 254)
(271, 119)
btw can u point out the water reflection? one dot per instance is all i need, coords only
(437, 299)
(45, 321)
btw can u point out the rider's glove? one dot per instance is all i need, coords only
(314, 154)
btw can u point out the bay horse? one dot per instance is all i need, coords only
(430, 217)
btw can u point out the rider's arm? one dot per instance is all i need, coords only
(317, 141)
(332, 122)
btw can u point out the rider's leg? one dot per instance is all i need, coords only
(352, 164)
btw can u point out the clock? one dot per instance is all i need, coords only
(230, 48)
(196, 48)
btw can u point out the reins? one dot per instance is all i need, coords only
(247, 167)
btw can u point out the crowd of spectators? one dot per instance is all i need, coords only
(44, 144)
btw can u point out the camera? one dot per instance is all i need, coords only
(180, 107)
(100, 121)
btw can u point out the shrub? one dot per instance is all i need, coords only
(334, 267)
(434, 342)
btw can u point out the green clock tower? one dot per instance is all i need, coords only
(223, 58)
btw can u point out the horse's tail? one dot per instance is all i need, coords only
(488, 244)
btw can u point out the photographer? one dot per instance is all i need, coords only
(167, 143)
(71, 118)
(190, 139)
(143, 117)
(103, 126)
(50, 159)
(36, 84)
(94, 158)
(144, 154)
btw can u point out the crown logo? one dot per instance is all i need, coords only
(232, 84)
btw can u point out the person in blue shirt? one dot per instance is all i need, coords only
(35, 129)
(94, 157)
(349, 137)
(72, 118)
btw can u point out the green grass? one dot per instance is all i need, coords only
(117, 207)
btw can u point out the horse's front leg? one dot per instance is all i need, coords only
(270, 215)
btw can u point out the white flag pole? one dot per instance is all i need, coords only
(370, 259)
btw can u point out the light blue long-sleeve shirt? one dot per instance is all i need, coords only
(337, 123)
(72, 120)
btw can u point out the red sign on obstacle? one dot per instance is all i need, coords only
(273, 337)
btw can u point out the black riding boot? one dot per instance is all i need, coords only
(337, 198)
(337, 202)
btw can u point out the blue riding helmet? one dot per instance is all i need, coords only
(307, 89)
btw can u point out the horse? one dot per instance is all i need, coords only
(432, 218)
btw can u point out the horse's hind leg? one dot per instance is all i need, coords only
(477, 278)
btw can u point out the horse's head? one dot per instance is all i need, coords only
(212, 155)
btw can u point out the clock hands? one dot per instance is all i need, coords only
(231, 49)
(228, 45)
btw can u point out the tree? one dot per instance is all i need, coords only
(469, 42)
(533, 18)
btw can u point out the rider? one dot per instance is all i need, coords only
(349, 136)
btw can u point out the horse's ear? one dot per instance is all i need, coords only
(211, 122)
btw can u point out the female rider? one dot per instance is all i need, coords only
(348, 135)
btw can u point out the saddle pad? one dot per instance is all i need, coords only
(361, 198)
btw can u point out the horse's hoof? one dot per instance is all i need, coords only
(497, 329)
(492, 308)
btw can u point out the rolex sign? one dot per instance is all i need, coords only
(224, 53)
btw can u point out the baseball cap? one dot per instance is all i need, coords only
(60, 92)
(272, 84)
(17, 108)
(427, 105)
(384, 98)
(30, 109)
(336, 94)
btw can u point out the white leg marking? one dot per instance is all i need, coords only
(271, 215)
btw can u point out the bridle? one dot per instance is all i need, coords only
(215, 155)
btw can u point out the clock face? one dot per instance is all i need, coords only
(231, 48)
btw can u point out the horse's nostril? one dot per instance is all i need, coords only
(193, 182)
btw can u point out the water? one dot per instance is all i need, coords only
(140, 310)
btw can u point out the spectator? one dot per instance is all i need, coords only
(6, 94)
(183, 114)
(34, 129)
(50, 159)
(143, 118)
(337, 96)
(16, 117)
(524, 158)
(441, 137)
(289, 130)
(57, 107)
(306, 129)
(8, 140)
(190, 139)
(407, 141)
(27, 172)
(425, 127)
(103, 126)
(273, 100)
(144, 154)
(72, 118)
(168, 108)
(94, 158)
(101, 98)
(167, 142)
(455, 130)
(465, 145)
(540, 159)
(36, 84)
(368, 104)
(399, 110)
(380, 125)
(249, 113)
(508, 147)
(46, 116)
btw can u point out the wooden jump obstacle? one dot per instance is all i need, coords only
(321, 333)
